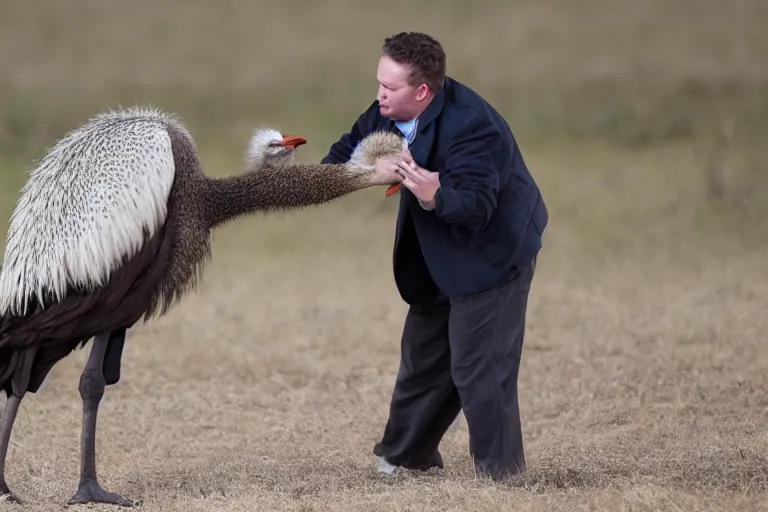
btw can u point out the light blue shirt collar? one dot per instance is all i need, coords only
(408, 128)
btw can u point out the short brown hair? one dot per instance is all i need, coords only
(422, 53)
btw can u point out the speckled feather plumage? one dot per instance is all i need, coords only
(114, 224)
(105, 188)
(89, 203)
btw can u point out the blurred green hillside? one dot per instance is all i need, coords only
(640, 120)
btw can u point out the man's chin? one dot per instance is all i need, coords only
(391, 115)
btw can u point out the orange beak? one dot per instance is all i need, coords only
(292, 141)
(394, 189)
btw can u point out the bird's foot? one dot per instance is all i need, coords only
(91, 492)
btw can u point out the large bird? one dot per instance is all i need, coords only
(113, 225)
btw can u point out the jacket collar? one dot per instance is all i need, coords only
(433, 109)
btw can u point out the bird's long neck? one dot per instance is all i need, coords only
(282, 187)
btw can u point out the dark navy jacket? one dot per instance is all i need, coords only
(489, 216)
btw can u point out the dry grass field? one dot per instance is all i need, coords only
(644, 378)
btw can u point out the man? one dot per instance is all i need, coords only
(469, 228)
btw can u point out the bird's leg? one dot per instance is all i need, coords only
(113, 357)
(92, 384)
(6, 425)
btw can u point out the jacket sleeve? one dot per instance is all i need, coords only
(469, 184)
(341, 150)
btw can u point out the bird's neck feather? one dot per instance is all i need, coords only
(284, 187)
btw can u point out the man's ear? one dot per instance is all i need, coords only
(422, 92)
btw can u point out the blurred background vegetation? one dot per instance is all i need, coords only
(642, 121)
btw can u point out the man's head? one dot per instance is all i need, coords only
(411, 71)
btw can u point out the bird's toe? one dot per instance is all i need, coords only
(92, 492)
(8, 497)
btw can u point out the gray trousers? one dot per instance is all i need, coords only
(461, 354)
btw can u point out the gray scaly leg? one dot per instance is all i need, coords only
(6, 425)
(92, 384)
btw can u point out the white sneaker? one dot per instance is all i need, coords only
(385, 467)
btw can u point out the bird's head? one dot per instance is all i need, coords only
(378, 144)
(268, 145)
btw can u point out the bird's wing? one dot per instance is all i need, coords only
(87, 206)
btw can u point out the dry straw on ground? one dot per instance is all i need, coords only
(644, 374)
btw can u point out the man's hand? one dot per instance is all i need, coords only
(387, 171)
(421, 182)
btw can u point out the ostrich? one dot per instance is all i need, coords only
(112, 226)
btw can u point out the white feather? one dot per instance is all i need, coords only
(86, 205)
(259, 149)
(258, 144)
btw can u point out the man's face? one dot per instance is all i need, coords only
(398, 99)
